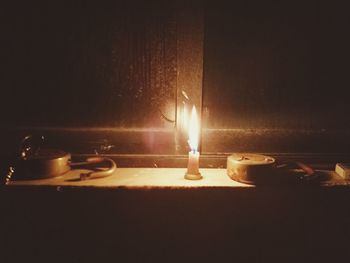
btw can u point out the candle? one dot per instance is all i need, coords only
(193, 156)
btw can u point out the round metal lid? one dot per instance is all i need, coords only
(251, 159)
(250, 168)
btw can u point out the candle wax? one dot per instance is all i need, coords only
(193, 166)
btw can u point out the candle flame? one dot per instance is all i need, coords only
(193, 131)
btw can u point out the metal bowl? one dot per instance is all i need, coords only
(251, 168)
(46, 163)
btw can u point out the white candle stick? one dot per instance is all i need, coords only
(193, 156)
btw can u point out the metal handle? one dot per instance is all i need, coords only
(100, 173)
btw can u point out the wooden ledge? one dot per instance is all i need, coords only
(152, 178)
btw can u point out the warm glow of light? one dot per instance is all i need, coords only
(193, 130)
(184, 118)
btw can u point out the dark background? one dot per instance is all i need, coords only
(88, 63)
(280, 64)
(278, 68)
(240, 224)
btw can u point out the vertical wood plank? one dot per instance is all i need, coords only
(190, 33)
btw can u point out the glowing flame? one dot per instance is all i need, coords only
(193, 131)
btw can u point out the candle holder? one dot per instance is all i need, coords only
(193, 176)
